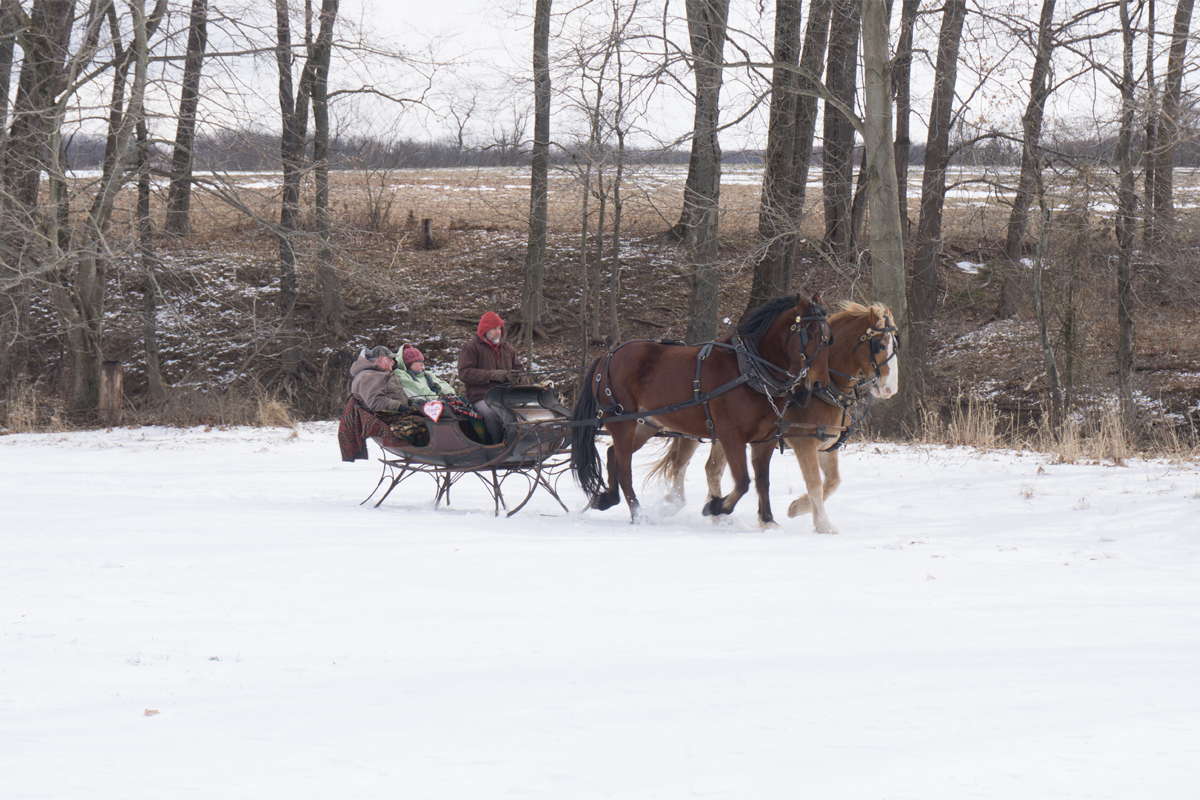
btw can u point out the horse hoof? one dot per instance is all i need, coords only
(714, 507)
(602, 502)
(829, 529)
(769, 525)
(799, 506)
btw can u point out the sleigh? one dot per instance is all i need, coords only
(534, 452)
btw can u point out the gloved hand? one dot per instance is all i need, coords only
(515, 376)
(498, 376)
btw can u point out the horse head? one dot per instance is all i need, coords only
(875, 351)
(808, 341)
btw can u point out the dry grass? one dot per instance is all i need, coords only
(184, 408)
(972, 422)
(29, 408)
(1093, 434)
(273, 413)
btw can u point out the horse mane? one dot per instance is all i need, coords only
(757, 322)
(859, 310)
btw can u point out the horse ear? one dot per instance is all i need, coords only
(816, 298)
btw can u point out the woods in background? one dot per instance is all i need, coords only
(159, 103)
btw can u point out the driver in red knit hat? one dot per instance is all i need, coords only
(486, 361)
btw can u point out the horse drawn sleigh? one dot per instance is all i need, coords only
(534, 449)
(789, 373)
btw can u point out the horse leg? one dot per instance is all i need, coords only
(760, 461)
(675, 462)
(736, 457)
(828, 460)
(612, 495)
(714, 468)
(627, 442)
(806, 454)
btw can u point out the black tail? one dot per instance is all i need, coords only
(585, 459)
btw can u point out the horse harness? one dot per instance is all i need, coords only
(860, 387)
(753, 370)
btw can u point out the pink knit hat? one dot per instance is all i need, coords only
(411, 355)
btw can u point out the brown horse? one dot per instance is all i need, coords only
(861, 361)
(723, 390)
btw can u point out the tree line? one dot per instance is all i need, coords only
(122, 88)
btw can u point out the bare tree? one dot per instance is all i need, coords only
(532, 300)
(926, 283)
(1031, 123)
(837, 151)
(179, 194)
(776, 213)
(79, 289)
(1169, 128)
(1126, 200)
(293, 110)
(8, 38)
(902, 88)
(44, 35)
(786, 188)
(149, 263)
(333, 308)
(707, 21)
(887, 240)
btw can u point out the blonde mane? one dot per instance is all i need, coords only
(859, 310)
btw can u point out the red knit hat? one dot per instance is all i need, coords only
(411, 355)
(488, 321)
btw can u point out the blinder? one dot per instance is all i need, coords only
(874, 337)
(801, 330)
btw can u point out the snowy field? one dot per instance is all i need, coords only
(985, 626)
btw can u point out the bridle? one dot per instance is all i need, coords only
(834, 395)
(801, 330)
(874, 337)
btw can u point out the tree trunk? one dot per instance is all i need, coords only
(902, 79)
(45, 45)
(614, 284)
(333, 309)
(837, 160)
(154, 382)
(1126, 199)
(82, 304)
(926, 283)
(706, 30)
(1057, 407)
(887, 241)
(8, 29)
(294, 124)
(598, 261)
(1169, 128)
(532, 299)
(179, 194)
(584, 340)
(1031, 123)
(1150, 235)
(812, 61)
(775, 225)
(706, 26)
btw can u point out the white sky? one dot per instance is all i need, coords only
(480, 49)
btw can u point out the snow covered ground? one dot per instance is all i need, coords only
(986, 625)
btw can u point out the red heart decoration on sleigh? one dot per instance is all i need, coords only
(433, 409)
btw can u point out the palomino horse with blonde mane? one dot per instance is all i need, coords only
(733, 390)
(862, 363)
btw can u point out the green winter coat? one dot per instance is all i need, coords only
(422, 384)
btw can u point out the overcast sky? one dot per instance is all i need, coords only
(462, 52)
